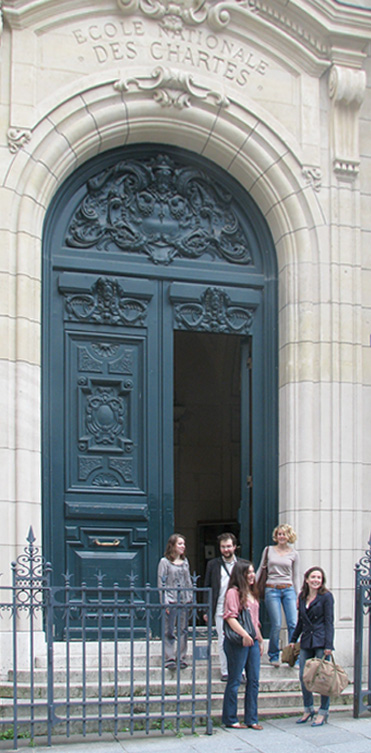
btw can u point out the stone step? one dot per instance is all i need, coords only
(139, 689)
(267, 674)
(270, 704)
(91, 726)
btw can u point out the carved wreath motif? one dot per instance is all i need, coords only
(214, 313)
(157, 208)
(105, 304)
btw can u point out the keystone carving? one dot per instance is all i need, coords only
(172, 88)
(346, 90)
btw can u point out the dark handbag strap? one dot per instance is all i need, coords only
(265, 561)
(225, 567)
(247, 622)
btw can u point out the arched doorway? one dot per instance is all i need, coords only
(159, 308)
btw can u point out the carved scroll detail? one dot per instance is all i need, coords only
(172, 13)
(346, 90)
(313, 176)
(172, 88)
(17, 138)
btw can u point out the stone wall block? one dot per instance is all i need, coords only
(28, 337)
(7, 392)
(366, 214)
(28, 406)
(7, 493)
(29, 476)
(28, 260)
(30, 215)
(7, 338)
(7, 294)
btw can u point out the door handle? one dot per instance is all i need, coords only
(115, 542)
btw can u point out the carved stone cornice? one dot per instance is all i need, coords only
(346, 90)
(172, 88)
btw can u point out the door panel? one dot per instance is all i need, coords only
(103, 346)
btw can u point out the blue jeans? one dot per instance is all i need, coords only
(309, 653)
(274, 599)
(241, 658)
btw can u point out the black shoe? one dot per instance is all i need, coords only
(224, 678)
(171, 664)
(183, 665)
(305, 719)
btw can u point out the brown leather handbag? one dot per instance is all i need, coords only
(324, 676)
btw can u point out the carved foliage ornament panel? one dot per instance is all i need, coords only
(105, 304)
(215, 312)
(161, 209)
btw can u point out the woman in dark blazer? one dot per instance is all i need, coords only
(315, 625)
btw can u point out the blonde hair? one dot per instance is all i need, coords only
(288, 530)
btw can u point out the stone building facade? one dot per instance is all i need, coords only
(277, 97)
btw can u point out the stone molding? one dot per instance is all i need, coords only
(347, 88)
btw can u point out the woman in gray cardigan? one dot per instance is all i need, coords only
(173, 580)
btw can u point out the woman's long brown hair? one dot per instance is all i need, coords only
(305, 588)
(238, 579)
(170, 546)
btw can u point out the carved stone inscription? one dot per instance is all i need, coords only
(124, 40)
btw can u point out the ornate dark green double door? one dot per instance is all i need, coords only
(136, 248)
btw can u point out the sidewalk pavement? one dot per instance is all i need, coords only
(342, 734)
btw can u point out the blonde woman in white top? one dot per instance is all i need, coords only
(282, 586)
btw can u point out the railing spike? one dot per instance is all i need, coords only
(31, 536)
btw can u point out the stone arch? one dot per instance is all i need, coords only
(266, 165)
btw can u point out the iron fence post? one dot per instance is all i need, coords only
(358, 619)
(48, 600)
(362, 608)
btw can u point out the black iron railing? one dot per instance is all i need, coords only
(362, 635)
(101, 677)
